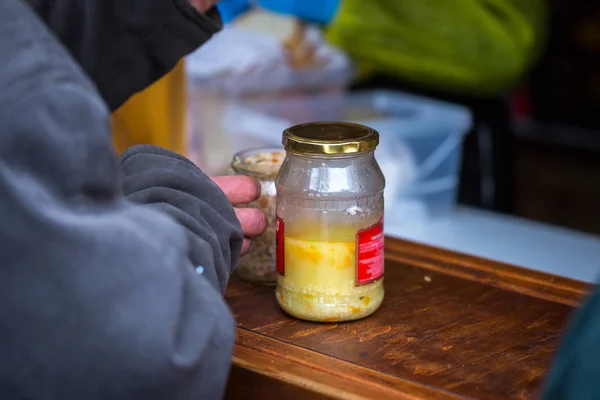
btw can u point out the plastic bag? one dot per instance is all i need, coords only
(245, 64)
(475, 47)
(240, 60)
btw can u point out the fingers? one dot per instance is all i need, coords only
(253, 221)
(246, 245)
(203, 5)
(242, 190)
(238, 189)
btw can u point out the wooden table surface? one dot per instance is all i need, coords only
(451, 326)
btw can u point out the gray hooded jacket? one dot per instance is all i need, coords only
(100, 291)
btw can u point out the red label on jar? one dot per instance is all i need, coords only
(369, 254)
(279, 243)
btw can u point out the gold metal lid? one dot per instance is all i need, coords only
(330, 138)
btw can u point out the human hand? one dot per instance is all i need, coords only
(203, 5)
(243, 190)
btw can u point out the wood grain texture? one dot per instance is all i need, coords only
(521, 280)
(451, 326)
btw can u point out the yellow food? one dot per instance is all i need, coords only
(319, 282)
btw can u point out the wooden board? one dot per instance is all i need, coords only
(451, 326)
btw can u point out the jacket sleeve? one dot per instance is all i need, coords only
(170, 183)
(576, 367)
(126, 45)
(104, 297)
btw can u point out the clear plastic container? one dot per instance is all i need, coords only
(258, 265)
(330, 223)
(420, 140)
(241, 66)
(420, 152)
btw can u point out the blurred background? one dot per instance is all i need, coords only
(491, 105)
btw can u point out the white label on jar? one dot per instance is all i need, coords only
(369, 254)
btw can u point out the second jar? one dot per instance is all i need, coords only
(330, 223)
(258, 266)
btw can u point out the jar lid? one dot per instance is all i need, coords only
(330, 138)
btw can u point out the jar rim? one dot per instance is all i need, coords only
(239, 165)
(330, 138)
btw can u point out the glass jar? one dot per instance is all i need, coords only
(330, 223)
(258, 265)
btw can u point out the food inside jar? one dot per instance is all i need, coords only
(319, 281)
(263, 163)
(259, 264)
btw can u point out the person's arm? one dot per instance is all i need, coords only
(126, 45)
(169, 182)
(101, 298)
(576, 366)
